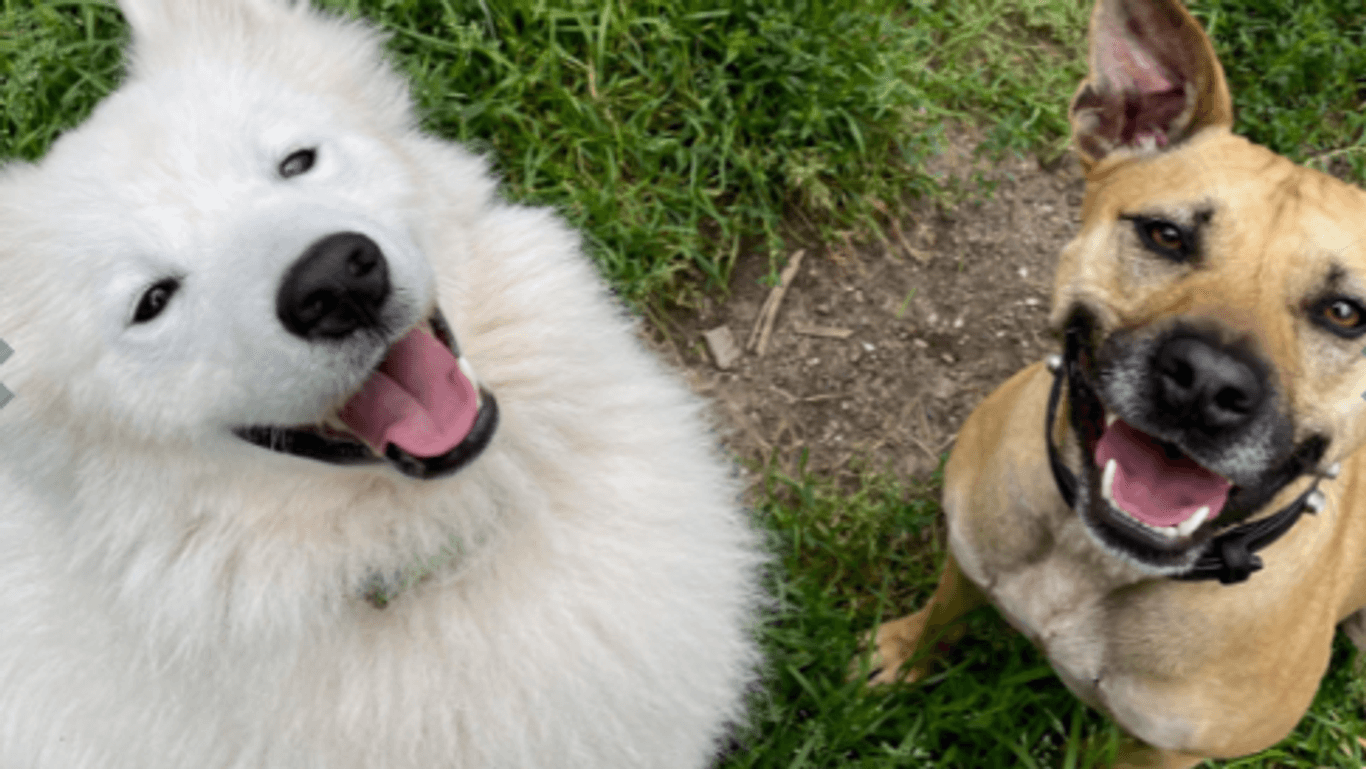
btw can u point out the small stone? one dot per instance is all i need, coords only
(721, 344)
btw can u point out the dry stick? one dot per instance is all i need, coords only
(763, 325)
(827, 332)
(825, 397)
(765, 313)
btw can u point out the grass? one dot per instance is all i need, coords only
(683, 136)
(1298, 76)
(56, 60)
(680, 128)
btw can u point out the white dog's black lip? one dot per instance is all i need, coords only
(312, 443)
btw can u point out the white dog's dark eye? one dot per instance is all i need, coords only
(154, 301)
(297, 163)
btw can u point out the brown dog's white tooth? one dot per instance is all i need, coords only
(1188, 526)
(1107, 481)
(1110, 419)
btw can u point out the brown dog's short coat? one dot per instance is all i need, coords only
(1214, 307)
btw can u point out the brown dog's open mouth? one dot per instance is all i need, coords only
(1154, 484)
(421, 409)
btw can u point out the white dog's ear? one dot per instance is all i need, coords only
(145, 17)
(150, 19)
(1154, 81)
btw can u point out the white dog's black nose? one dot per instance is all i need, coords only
(1207, 384)
(336, 287)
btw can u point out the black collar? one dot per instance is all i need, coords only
(1231, 556)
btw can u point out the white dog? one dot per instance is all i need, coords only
(321, 456)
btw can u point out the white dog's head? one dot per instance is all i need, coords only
(233, 251)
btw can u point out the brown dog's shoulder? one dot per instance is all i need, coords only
(999, 416)
(997, 474)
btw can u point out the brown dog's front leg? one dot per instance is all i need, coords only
(914, 636)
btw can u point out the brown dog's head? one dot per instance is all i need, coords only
(1214, 301)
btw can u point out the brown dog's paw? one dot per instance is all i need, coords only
(893, 644)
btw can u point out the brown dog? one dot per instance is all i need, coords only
(1183, 528)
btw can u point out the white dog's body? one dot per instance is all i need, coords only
(172, 595)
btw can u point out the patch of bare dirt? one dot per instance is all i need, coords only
(882, 351)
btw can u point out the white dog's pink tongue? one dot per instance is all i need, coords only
(418, 399)
(1150, 485)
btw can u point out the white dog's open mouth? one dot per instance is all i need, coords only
(422, 410)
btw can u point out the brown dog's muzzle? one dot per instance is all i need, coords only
(1181, 435)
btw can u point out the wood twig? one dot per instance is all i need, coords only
(763, 325)
(828, 332)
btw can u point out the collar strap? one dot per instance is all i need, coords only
(1231, 556)
(1062, 475)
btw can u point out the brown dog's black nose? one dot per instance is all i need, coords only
(1207, 384)
(336, 287)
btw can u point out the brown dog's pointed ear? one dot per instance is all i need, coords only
(1154, 80)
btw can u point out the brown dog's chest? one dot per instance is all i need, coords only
(1166, 659)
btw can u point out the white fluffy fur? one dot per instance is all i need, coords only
(171, 596)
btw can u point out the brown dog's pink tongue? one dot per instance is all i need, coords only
(1155, 488)
(418, 399)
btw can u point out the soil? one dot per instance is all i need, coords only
(932, 322)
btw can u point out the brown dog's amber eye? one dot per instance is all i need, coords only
(1164, 238)
(1166, 235)
(1342, 313)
